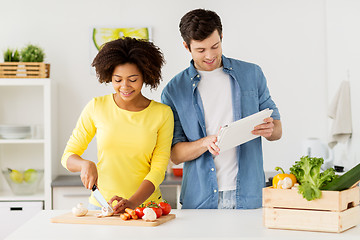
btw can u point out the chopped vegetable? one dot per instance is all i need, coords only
(283, 180)
(307, 173)
(128, 214)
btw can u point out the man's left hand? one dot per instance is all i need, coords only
(265, 129)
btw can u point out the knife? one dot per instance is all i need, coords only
(101, 200)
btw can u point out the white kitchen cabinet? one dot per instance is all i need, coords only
(69, 196)
(28, 102)
(13, 214)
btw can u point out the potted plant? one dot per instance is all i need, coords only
(28, 63)
(32, 53)
(11, 56)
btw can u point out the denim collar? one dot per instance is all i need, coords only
(194, 75)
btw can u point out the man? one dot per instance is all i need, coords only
(214, 91)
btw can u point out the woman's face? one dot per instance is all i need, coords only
(127, 81)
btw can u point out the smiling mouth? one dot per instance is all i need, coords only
(210, 62)
(126, 94)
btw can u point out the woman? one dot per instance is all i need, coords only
(133, 133)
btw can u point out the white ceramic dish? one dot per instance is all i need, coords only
(15, 131)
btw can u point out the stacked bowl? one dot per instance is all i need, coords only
(15, 131)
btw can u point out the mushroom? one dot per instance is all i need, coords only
(286, 183)
(106, 212)
(149, 215)
(79, 210)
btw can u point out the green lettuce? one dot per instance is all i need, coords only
(307, 173)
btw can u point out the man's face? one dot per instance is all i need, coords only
(206, 53)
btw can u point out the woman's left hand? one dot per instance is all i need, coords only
(122, 203)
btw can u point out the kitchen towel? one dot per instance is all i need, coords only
(340, 112)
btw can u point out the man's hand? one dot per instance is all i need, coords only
(271, 129)
(209, 143)
(265, 129)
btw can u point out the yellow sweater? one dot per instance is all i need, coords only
(131, 146)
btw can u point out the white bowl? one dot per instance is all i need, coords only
(15, 131)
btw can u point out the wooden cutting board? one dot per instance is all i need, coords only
(90, 218)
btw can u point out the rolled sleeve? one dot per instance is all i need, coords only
(265, 100)
(178, 133)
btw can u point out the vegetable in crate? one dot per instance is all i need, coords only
(283, 180)
(307, 173)
(346, 181)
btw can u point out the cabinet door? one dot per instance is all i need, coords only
(69, 197)
(14, 214)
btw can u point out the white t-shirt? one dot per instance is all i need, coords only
(215, 92)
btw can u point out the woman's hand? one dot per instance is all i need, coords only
(88, 174)
(122, 203)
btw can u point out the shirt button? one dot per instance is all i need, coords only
(212, 169)
(230, 68)
(198, 75)
(193, 84)
(215, 191)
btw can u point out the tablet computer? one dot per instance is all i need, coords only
(239, 132)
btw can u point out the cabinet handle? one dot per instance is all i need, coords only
(16, 208)
(76, 195)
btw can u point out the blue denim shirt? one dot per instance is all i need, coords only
(250, 94)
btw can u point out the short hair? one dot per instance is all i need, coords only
(199, 24)
(144, 54)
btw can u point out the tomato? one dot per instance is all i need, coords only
(157, 210)
(165, 207)
(155, 207)
(140, 211)
(149, 204)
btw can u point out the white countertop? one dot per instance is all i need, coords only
(188, 224)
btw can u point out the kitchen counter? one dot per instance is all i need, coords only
(188, 224)
(67, 190)
(75, 181)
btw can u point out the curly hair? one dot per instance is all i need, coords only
(144, 54)
(199, 24)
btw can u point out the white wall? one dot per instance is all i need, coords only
(285, 37)
(343, 63)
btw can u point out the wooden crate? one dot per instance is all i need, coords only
(24, 70)
(287, 209)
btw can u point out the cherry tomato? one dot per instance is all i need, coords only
(151, 203)
(157, 210)
(155, 207)
(140, 211)
(165, 207)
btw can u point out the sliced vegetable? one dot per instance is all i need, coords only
(345, 181)
(131, 212)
